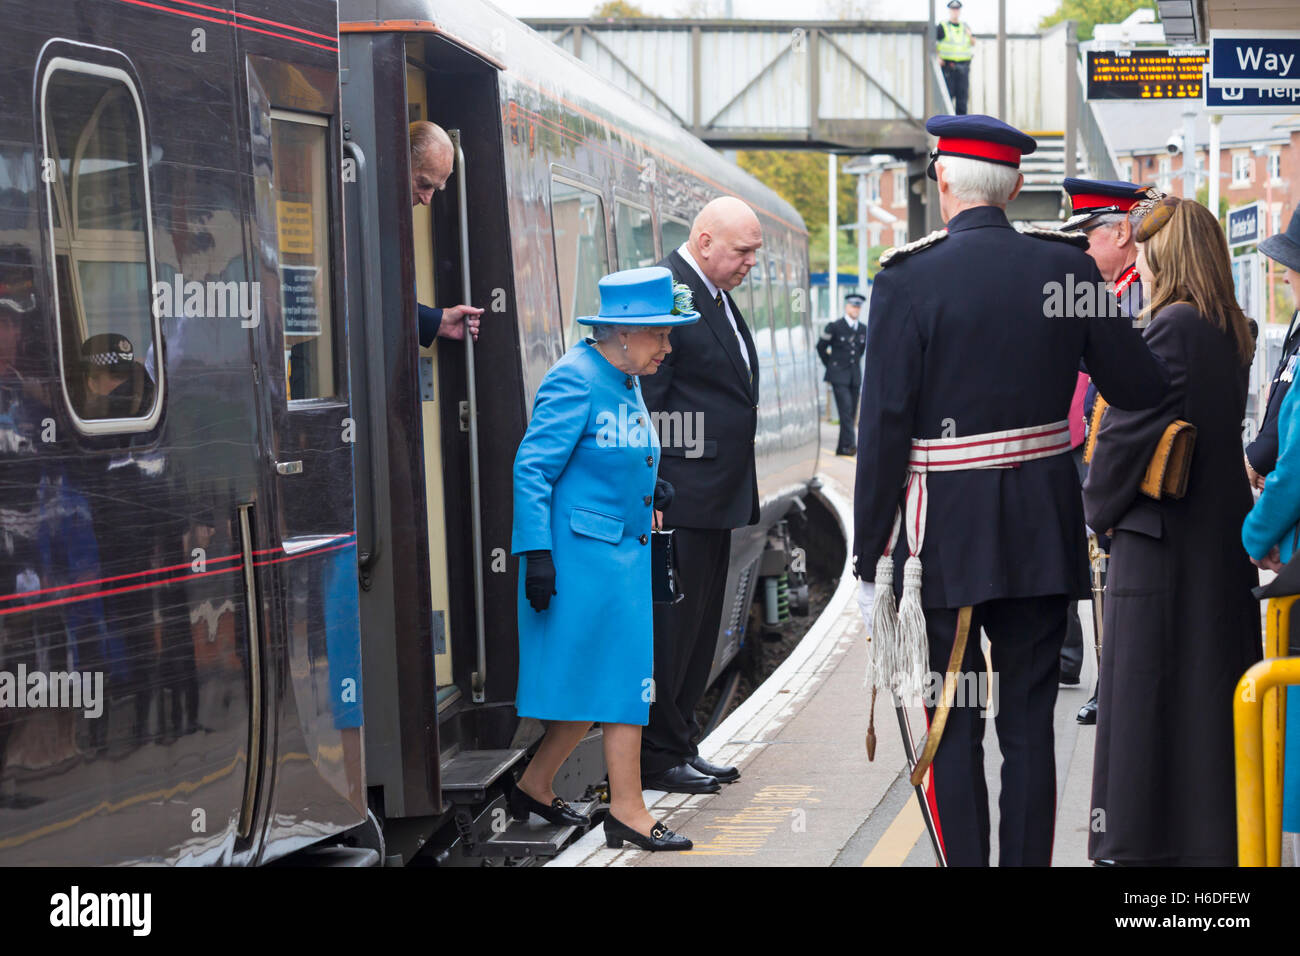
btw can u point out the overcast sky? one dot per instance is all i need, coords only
(982, 15)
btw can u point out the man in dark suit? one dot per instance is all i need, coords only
(840, 349)
(1261, 454)
(969, 375)
(709, 380)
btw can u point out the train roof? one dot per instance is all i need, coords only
(527, 56)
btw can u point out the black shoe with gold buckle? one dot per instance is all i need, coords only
(558, 813)
(660, 838)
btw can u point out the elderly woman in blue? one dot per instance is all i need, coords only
(1271, 532)
(585, 492)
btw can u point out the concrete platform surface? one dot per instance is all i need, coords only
(807, 795)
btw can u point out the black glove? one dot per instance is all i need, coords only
(539, 579)
(663, 494)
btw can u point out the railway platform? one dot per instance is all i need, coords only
(807, 795)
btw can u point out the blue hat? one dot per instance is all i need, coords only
(1090, 198)
(976, 136)
(643, 297)
(1285, 246)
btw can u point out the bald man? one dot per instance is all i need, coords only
(433, 157)
(708, 386)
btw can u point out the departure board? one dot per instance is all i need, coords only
(1146, 74)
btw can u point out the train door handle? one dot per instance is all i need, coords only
(289, 467)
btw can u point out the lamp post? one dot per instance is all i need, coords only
(1262, 152)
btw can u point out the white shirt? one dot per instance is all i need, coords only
(713, 294)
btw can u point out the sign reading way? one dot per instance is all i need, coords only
(1268, 59)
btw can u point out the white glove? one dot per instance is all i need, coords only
(866, 601)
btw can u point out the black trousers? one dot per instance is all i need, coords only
(957, 77)
(1025, 635)
(1072, 650)
(846, 404)
(686, 636)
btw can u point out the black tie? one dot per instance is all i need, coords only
(718, 299)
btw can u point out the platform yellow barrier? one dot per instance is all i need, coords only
(1259, 715)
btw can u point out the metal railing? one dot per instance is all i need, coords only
(1259, 718)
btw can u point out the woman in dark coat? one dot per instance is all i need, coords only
(1180, 624)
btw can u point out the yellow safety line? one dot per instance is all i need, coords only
(897, 842)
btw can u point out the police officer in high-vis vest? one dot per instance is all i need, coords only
(841, 348)
(956, 44)
(967, 506)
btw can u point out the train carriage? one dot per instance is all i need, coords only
(561, 180)
(234, 483)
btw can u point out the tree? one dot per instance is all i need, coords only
(1086, 14)
(799, 177)
(618, 10)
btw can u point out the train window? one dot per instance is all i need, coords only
(635, 235)
(581, 251)
(672, 233)
(300, 157)
(102, 247)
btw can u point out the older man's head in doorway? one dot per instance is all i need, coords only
(432, 160)
(725, 239)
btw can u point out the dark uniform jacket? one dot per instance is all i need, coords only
(959, 342)
(840, 349)
(705, 373)
(1181, 625)
(1262, 452)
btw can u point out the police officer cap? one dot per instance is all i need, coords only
(854, 299)
(954, 4)
(976, 136)
(108, 351)
(1091, 198)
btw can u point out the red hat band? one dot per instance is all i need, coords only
(1082, 201)
(980, 149)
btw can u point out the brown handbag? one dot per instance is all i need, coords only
(1166, 474)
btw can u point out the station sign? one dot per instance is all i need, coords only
(1251, 99)
(1146, 74)
(1243, 58)
(1245, 224)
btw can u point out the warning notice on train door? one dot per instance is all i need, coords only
(301, 312)
(293, 220)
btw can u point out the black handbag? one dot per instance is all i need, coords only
(663, 558)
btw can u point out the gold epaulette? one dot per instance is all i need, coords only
(897, 253)
(1074, 237)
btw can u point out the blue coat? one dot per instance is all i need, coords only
(584, 490)
(1275, 520)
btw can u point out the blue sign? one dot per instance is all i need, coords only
(1251, 99)
(1245, 224)
(1261, 60)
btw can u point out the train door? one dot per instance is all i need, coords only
(427, 290)
(309, 753)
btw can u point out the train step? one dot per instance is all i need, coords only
(467, 774)
(532, 837)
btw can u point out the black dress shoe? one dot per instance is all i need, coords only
(1069, 681)
(721, 774)
(681, 779)
(1088, 712)
(558, 813)
(660, 838)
